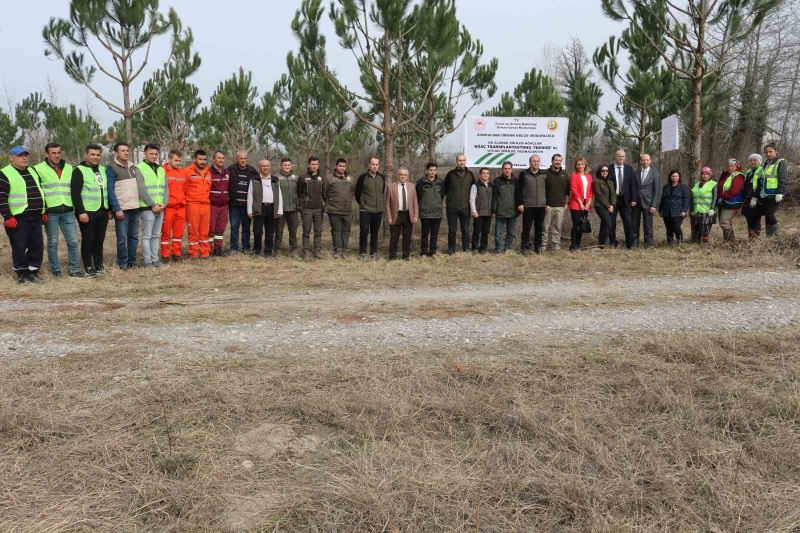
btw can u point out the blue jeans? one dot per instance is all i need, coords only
(67, 223)
(127, 238)
(501, 226)
(239, 218)
(151, 236)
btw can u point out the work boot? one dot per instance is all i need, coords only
(772, 230)
(727, 235)
(33, 276)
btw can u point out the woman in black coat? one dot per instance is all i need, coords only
(675, 205)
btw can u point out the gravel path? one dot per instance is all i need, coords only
(649, 305)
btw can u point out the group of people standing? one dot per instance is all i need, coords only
(167, 200)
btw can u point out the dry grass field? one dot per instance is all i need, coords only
(227, 395)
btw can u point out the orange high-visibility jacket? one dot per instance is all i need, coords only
(176, 183)
(198, 185)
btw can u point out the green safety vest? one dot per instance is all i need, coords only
(18, 190)
(737, 200)
(770, 173)
(94, 195)
(702, 196)
(154, 183)
(56, 190)
(753, 175)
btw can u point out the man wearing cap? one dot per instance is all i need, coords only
(769, 188)
(23, 211)
(54, 177)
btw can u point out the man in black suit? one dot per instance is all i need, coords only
(645, 199)
(623, 177)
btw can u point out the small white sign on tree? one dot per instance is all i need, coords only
(670, 133)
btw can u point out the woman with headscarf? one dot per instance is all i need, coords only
(674, 206)
(730, 191)
(749, 209)
(704, 198)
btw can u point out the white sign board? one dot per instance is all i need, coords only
(491, 141)
(670, 133)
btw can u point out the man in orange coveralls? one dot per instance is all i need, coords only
(198, 205)
(175, 214)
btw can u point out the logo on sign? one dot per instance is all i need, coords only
(480, 124)
(552, 125)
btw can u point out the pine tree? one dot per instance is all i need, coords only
(122, 32)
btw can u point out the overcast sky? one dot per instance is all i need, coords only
(257, 36)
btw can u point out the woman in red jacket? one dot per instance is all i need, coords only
(580, 200)
(730, 194)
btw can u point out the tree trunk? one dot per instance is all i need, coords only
(644, 122)
(697, 124)
(126, 96)
(388, 125)
(430, 149)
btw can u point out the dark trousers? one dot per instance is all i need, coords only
(340, 231)
(576, 234)
(701, 228)
(674, 231)
(532, 217)
(766, 208)
(370, 226)
(430, 235)
(292, 220)
(27, 245)
(623, 209)
(239, 221)
(312, 220)
(461, 218)
(402, 226)
(93, 235)
(264, 228)
(480, 233)
(604, 235)
(642, 217)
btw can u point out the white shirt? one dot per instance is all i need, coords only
(585, 183)
(266, 195)
(644, 173)
(620, 170)
(400, 205)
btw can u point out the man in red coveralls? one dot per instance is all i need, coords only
(175, 214)
(220, 181)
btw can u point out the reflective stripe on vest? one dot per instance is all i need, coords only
(94, 195)
(18, 189)
(770, 174)
(56, 190)
(702, 196)
(153, 183)
(739, 198)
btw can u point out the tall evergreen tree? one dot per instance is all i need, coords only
(535, 96)
(122, 32)
(687, 44)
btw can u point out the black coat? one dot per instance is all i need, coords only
(675, 200)
(628, 183)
